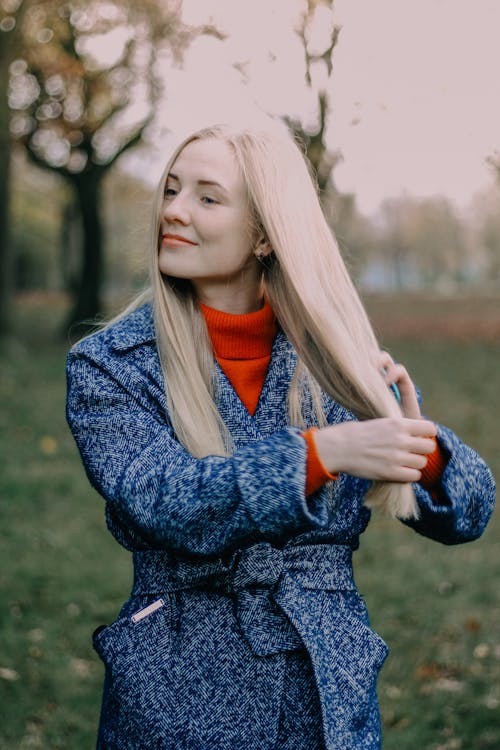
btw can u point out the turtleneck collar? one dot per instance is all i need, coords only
(247, 336)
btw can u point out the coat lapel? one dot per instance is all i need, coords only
(271, 414)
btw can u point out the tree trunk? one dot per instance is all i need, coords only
(87, 302)
(5, 240)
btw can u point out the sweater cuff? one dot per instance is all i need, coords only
(434, 469)
(316, 474)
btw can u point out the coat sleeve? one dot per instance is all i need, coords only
(465, 498)
(158, 495)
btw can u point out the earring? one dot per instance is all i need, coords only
(260, 255)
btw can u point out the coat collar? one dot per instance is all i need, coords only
(133, 330)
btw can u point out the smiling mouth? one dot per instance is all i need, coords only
(176, 240)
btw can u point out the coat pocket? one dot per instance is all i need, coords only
(141, 632)
(138, 701)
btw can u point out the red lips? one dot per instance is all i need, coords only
(176, 240)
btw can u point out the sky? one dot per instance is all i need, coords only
(414, 92)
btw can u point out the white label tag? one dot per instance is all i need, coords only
(142, 613)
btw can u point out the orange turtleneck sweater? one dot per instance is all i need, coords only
(242, 346)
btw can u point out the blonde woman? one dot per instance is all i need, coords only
(239, 421)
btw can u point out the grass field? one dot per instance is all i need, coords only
(61, 573)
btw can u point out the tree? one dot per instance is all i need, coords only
(78, 107)
(484, 260)
(490, 232)
(318, 35)
(422, 241)
(313, 137)
(11, 13)
(396, 241)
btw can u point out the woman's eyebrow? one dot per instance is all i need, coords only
(212, 182)
(202, 183)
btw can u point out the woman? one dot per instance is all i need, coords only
(238, 421)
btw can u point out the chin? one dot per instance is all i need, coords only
(167, 268)
(170, 269)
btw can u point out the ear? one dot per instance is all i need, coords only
(263, 247)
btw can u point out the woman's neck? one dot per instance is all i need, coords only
(245, 299)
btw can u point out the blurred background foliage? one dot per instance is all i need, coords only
(80, 86)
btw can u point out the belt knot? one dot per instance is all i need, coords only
(259, 566)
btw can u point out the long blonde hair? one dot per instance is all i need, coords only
(310, 291)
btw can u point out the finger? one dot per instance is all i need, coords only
(386, 369)
(388, 373)
(384, 360)
(398, 373)
(403, 475)
(414, 461)
(423, 446)
(421, 462)
(421, 427)
(390, 378)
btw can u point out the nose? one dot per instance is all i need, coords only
(175, 210)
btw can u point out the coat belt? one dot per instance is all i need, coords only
(282, 604)
(261, 580)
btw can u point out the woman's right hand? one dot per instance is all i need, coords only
(391, 449)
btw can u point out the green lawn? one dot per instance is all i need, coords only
(62, 574)
(439, 607)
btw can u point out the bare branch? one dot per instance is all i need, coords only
(133, 140)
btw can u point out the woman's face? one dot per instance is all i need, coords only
(205, 228)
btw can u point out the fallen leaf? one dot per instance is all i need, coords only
(472, 625)
(451, 686)
(492, 702)
(8, 674)
(36, 635)
(81, 667)
(481, 651)
(429, 671)
(73, 609)
(48, 445)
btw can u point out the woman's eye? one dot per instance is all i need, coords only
(208, 200)
(170, 192)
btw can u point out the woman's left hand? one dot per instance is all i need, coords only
(397, 374)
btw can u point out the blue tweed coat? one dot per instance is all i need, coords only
(244, 629)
